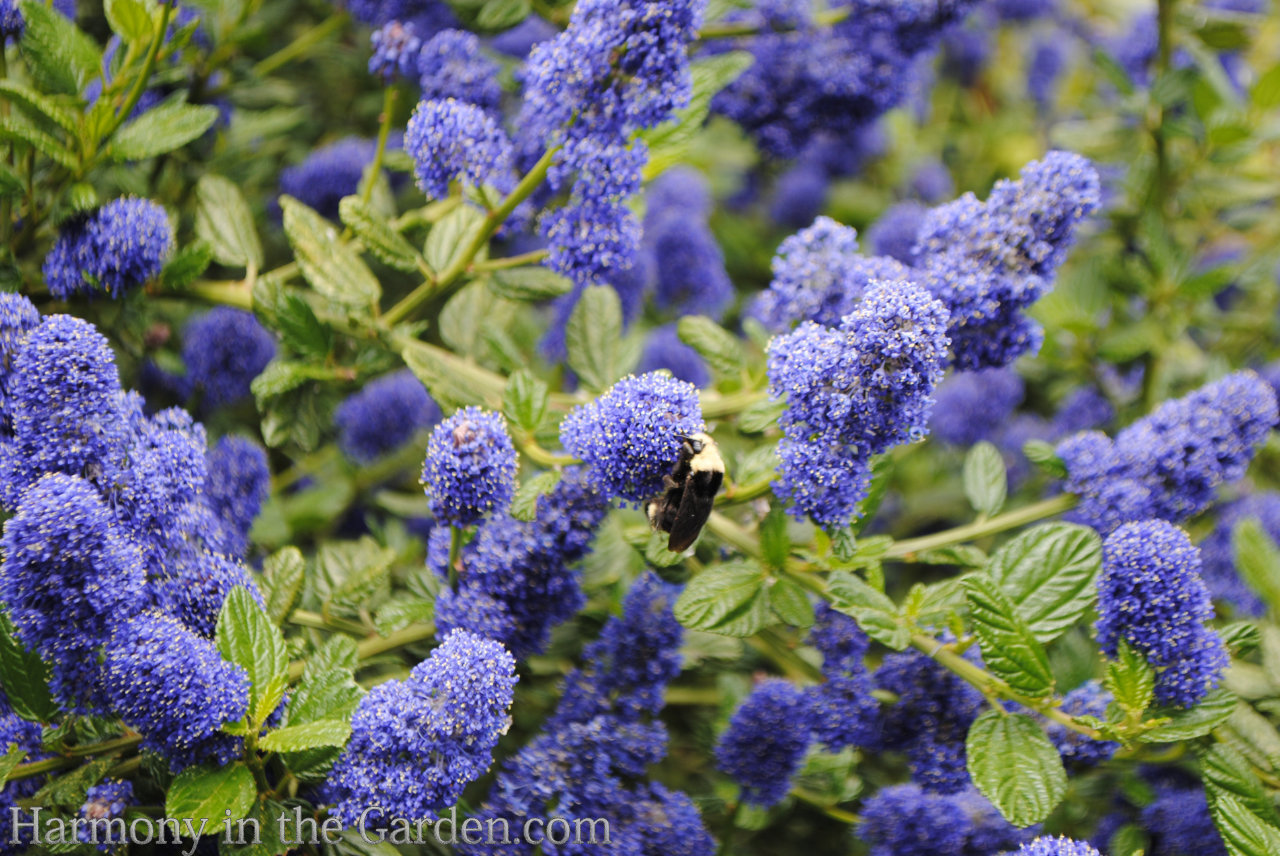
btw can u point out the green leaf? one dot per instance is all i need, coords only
(790, 602)
(1008, 646)
(69, 789)
(1015, 766)
(524, 401)
(16, 129)
(1128, 840)
(129, 19)
(466, 316)
(186, 265)
(875, 613)
(775, 543)
(36, 105)
(653, 546)
(202, 793)
(327, 689)
(61, 57)
(351, 575)
(1130, 680)
(300, 329)
(1240, 636)
(1049, 574)
(282, 376)
(331, 267)
(532, 283)
(1045, 456)
(1266, 92)
(376, 234)
(720, 348)
(448, 237)
(310, 735)
(224, 220)
(1244, 833)
(11, 759)
(1225, 770)
(436, 369)
(162, 129)
(985, 482)
(728, 599)
(760, 415)
(502, 14)
(402, 612)
(593, 337)
(25, 677)
(1258, 560)
(11, 184)
(524, 505)
(936, 602)
(282, 574)
(246, 637)
(961, 555)
(1211, 712)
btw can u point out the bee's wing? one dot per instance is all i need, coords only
(695, 508)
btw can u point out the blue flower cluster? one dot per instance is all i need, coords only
(766, 741)
(17, 318)
(895, 232)
(678, 261)
(591, 759)
(854, 392)
(1077, 750)
(819, 276)
(930, 720)
(224, 350)
(630, 436)
(172, 687)
(907, 820)
(470, 469)
(16, 732)
(415, 744)
(104, 803)
(395, 51)
(618, 68)
(516, 582)
(450, 139)
(384, 416)
(1151, 596)
(844, 713)
(808, 79)
(1170, 463)
(12, 24)
(988, 261)
(1179, 822)
(974, 406)
(627, 669)
(237, 484)
(112, 250)
(451, 65)
(69, 574)
(1217, 555)
(688, 264)
(427, 16)
(1049, 846)
(63, 397)
(116, 515)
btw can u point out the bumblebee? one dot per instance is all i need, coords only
(689, 492)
